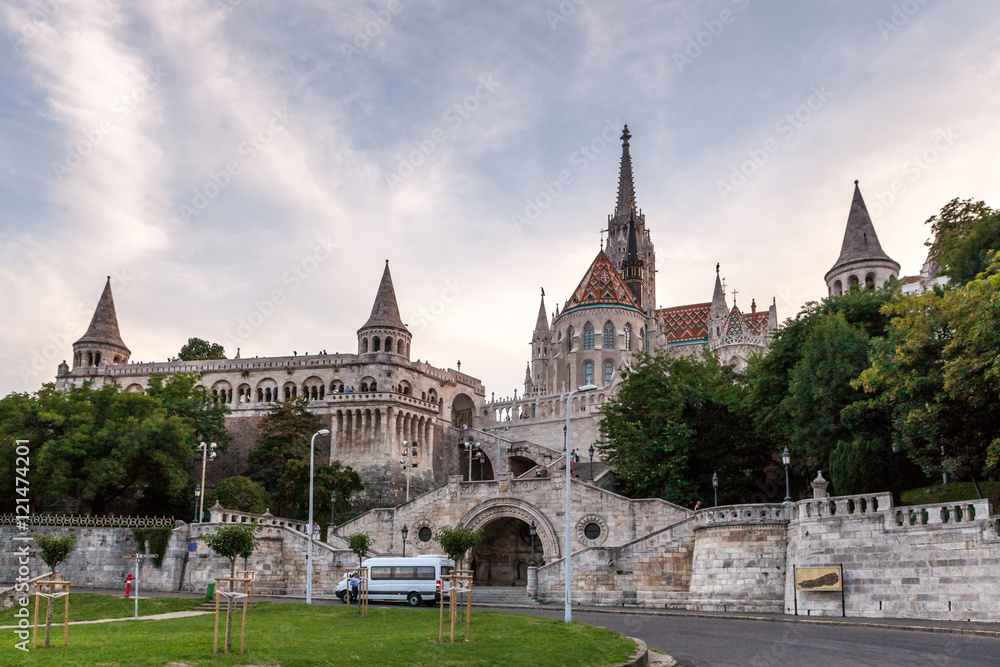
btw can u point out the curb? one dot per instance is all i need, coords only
(639, 657)
(791, 619)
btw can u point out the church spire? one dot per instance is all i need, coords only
(103, 327)
(718, 310)
(385, 310)
(626, 190)
(542, 322)
(862, 261)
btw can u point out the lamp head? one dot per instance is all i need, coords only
(212, 456)
(534, 528)
(587, 387)
(715, 480)
(323, 431)
(405, 531)
(197, 491)
(213, 446)
(786, 457)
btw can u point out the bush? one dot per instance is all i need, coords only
(239, 493)
(54, 550)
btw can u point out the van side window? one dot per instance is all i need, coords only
(425, 573)
(403, 572)
(446, 570)
(381, 573)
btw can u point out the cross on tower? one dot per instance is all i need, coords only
(734, 296)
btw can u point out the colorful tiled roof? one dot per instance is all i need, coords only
(684, 324)
(601, 286)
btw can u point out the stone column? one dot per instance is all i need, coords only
(819, 486)
(533, 582)
(390, 431)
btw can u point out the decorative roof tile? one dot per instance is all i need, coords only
(683, 324)
(601, 286)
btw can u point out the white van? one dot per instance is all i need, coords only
(415, 580)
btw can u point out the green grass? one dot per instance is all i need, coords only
(294, 635)
(87, 607)
(950, 493)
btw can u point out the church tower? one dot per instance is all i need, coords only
(618, 228)
(541, 340)
(862, 262)
(102, 344)
(718, 311)
(632, 265)
(384, 332)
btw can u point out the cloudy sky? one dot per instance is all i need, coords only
(242, 169)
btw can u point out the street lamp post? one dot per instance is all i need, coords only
(197, 497)
(480, 457)
(408, 453)
(534, 531)
(404, 531)
(309, 556)
(205, 457)
(591, 462)
(715, 488)
(786, 459)
(568, 612)
(470, 447)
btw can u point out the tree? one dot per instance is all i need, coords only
(232, 542)
(239, 493)
(675, 422)
(285, 432)
(196, 348)
(360, 544)
(965, 233)
(53, 551)
(331, 482)
(457, 541)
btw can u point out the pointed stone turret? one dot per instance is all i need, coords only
(529, 386)
(626, 189)
(862, 261)
(632, 265)
(384, 332)
(718, 311)
(542, 322)
(537, 374)
(102, 344)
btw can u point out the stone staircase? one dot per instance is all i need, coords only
(506, 595)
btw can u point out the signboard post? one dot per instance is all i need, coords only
(820, 579)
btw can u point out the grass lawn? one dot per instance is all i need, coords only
(294, 634)
(950, 493)
(87, 607)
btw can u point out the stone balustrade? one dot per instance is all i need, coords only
(221, 515)
(82, 520)
(731, 515)
(954, 513)
(818, 508)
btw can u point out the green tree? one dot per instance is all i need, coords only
(197, 348)
(965, 233)
(235, 541)
(457, 541)
(284, 436)
(239, 493)
(675, 422)
(53, 551)
(331, 482)
(360, 544)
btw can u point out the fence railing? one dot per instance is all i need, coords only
(88, 521)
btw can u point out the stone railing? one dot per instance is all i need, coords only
(732, 515)
(954, 514)
(221, 515)
(819, 508)
(358, 396)
(73, 520)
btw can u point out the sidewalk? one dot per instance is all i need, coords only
(154, 617)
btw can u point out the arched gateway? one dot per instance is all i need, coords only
(503, 555)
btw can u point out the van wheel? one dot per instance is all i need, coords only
(413, 599)
(343, 596)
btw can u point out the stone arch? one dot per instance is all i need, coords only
(135, 389)
(838, 288)
(462, 410)
(498, 508)
(870, 280)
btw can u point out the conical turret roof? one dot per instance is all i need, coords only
(860, 241)
(601, 286)
(104, 325)
(385, 310)
(542, 323)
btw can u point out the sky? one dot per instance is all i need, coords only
(243, 169)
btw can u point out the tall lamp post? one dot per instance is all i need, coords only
(207, 453)
(591, 462)
(534, 531)
(404, 531)
(470, 447)
(568, 613)
(715, 488)
(197, 497)
(786, 459)
(309, 556)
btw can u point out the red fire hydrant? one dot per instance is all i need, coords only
(128, 583)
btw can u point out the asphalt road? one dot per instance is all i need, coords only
(718, 641)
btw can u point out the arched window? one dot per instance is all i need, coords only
(628, 337)
(97, 359)
(588, 373)
(570, 334)
(388, 344)
(838, 288)
(90, 358)
(376, 342)
(609, 370)
(608, 341)
(399, 346)
(853, 280)
(642, 340)
(870, 281)
(588, 336)
(364, 345)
